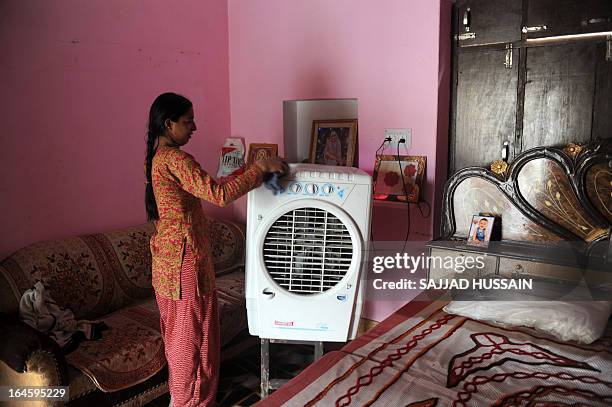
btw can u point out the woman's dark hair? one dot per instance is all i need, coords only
(166, 106)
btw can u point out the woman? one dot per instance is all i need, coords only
(183, 275)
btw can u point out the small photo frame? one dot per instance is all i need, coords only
(388, 173)
(333, 142)
(480, 230)
(261, 152)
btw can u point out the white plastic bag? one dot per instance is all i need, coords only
(231, 162)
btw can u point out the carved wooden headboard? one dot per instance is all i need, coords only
(546, 194)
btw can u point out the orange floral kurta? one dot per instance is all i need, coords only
(179, 183)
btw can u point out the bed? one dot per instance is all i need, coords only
(423, 356)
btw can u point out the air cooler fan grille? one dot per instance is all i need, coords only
(307, 251)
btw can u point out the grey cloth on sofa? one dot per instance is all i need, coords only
(42, 313)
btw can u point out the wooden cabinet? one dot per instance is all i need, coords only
(482, 22)
(486, 106)
(559, 87)
(548, 18)
(516, 87)
(602, 115)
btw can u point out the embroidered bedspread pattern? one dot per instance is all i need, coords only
(437, 359)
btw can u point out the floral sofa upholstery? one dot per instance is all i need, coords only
(106, 277)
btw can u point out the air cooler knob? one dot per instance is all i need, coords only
(328, 189)
(312, 189)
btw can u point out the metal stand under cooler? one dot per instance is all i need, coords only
(268, 384)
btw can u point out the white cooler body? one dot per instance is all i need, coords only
(306, 254)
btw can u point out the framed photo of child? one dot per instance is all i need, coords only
(480, 230)
(333, 142)
(261, 152)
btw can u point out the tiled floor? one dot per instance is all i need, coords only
(239, 377)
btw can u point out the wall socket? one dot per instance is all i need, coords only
(396, 135)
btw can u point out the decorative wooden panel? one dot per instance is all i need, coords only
(475, 195)
(545, 186)
(599, 188)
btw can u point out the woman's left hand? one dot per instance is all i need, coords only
(274, 164)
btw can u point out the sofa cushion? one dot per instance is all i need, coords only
(129, 352)
(129, 257)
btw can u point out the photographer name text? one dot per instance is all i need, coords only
(454, 284)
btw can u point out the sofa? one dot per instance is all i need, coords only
(105, 277)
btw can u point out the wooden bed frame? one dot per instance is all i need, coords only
(555, 208)
(550, 188)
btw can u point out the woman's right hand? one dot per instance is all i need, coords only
(274, 164)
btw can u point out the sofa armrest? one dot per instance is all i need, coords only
(23, 349)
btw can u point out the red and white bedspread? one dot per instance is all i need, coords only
(421, 356)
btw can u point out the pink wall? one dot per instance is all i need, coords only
(386, 53)
(77, 79)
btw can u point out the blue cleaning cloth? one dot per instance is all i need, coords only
(271, 181)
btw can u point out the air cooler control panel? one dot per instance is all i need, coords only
(318, 189)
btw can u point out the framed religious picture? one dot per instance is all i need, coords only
(480, 230)
(390, 170)
(333, 142)
(261, 152)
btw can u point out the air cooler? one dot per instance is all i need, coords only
(306, 254)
